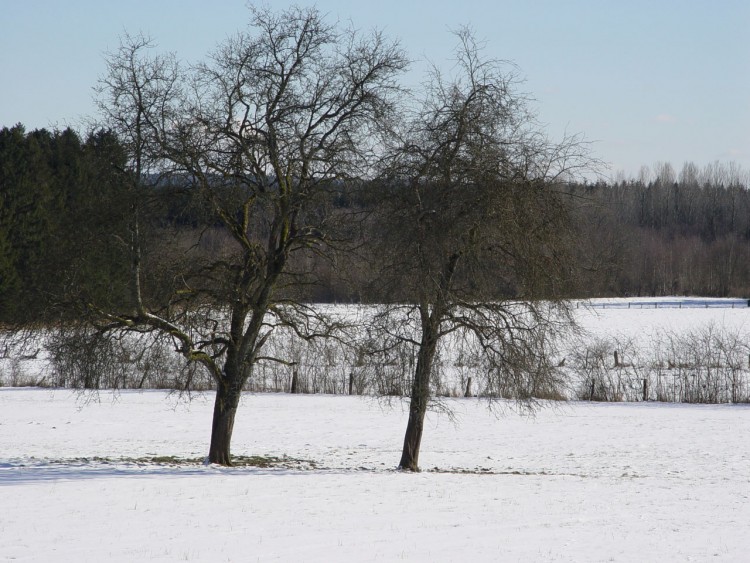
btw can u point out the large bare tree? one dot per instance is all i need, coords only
(475, 232)
(262, 133)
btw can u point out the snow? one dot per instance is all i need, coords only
(646, 324)
(607, 317)
(576, 482)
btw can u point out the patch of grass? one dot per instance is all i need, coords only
(260, 461)
(488, 471)
(272, 461)
(168, 460)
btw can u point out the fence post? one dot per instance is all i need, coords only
(617, 359)
(468, 387)
(645, 389)
(351, 382)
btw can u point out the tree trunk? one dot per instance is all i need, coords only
(225, 408)
(295, 383)
(413, 438)
(420, 396)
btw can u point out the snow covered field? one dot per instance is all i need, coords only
(646, 319)
(578, 482)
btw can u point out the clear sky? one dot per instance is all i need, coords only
(644, 80)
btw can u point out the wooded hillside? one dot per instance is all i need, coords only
(65, 203)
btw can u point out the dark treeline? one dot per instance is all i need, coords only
(59, 195)
(666, 233)
(65, 207)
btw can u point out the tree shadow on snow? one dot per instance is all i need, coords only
(15, 472)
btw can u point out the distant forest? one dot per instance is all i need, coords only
(65, 210)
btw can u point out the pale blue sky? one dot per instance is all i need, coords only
(645, 80)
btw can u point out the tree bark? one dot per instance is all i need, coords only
(295, 383)
(420, 396)
(225, 409)
(413, 437)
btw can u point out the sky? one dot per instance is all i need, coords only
(644, 81)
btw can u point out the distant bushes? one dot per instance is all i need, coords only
(706, 365)
(79, 358)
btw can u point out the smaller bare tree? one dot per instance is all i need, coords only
(474, 231)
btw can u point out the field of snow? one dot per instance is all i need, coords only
(644, 319)
(578, 482)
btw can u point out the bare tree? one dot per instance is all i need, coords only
(262, 133)
(475, 231)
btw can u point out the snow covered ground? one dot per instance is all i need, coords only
(644, 319)
(577, 482)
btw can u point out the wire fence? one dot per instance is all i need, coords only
(687, 303)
